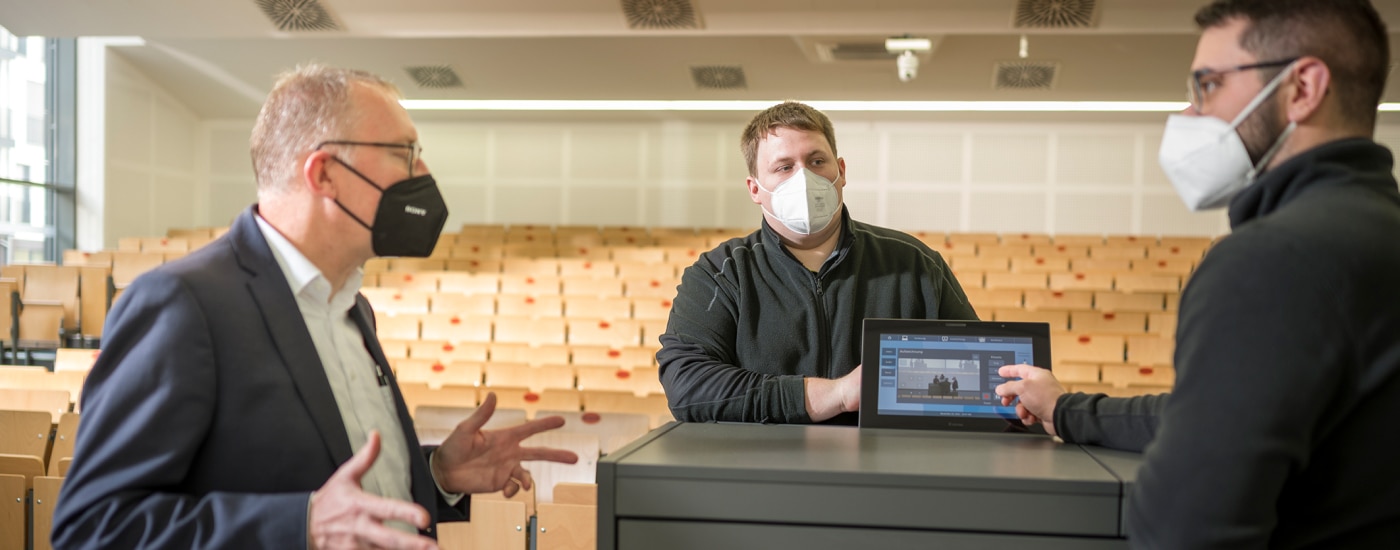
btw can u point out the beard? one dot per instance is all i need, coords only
(1262, 129)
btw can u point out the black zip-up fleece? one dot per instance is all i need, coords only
(749, 321)
(1277, 433)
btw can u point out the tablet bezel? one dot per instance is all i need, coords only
(870, 377)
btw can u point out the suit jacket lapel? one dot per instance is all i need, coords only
(273, 294)
(424, 489)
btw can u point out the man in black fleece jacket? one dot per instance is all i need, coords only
(1288, 346)
(767, 328)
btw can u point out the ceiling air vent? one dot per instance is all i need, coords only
(1056, 14)
(1025, 75)
(719, 77)
(660, 14)
(298, 15)
(434, 76)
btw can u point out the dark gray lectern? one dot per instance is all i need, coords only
(736, 486)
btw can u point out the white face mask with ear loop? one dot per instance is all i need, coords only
(805, 203)
(1205, 158)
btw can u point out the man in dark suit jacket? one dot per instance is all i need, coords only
(223, 411)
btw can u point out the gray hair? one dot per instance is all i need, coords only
(307, 105)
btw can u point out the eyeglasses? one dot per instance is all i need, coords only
(1204, 82)
(415, 151)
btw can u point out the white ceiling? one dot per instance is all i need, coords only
(220, 56)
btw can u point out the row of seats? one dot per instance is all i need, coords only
(399, 272)
(437, 373)
(1042, 264)
(568, 522)
(1042, 299)
(35, 454)
(994, 239)
(615, 333)
(1078, 280)
(523, 354)
(1100, 251)
(653, 304)
(525, 286)
(41, 304)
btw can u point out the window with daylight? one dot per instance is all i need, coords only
(36, 147)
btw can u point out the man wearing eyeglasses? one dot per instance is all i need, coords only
(1288, 345)
(234, 384)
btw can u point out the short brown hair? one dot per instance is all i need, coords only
(308, 105)
(1347, 35)
(788, 114)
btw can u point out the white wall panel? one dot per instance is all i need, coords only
(457, 155)
(175, 136)
(604, 206)
(1094, 213)
(863, 204)
(1010, 158)
(522, 204)
(128, 122)
(228, 151)
(862, 153)
(1095, 159)
(1007, 212)
(733, 169)
(171, 198)
(154, 149)
(916, 210)
(738, 209)
(1164, 214)
(681, 207)
(529, 153)
(128, 207)
(465, 204)
(919, 157)
(1152, 175)
(227, 200)
(967, 176)
(606, 154)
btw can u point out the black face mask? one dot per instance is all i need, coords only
(409, 219)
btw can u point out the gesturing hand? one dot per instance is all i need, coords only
(471, 460)
(1038, 390)
(342, 515)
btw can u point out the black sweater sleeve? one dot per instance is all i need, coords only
(1127, 424)
(697, 360)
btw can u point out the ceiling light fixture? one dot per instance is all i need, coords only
(831, 106)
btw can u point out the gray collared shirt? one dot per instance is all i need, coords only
(364, 403)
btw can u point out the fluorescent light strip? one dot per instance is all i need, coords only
(868, 106)
(830, 106)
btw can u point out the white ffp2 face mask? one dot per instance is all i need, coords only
(805, 202)
(1205, 158)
